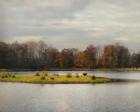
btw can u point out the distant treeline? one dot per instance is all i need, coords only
(38, 55)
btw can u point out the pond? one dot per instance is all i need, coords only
(111, 97)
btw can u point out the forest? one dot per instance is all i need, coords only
(38, 55)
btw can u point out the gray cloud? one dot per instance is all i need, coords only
(71, 23)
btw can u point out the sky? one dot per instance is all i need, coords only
(71, 23)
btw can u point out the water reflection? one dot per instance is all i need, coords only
(112, 97)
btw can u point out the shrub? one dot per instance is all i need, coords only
(52, 78)
(43, 78)
(13, 76)
(84, 74)
(93, 77)
(69, 75)
(6, 76)
(37, 74)
(3, 77)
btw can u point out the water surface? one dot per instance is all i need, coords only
(111, 97)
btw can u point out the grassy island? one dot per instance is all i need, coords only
(44, 78)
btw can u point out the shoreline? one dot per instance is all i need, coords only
(42, 77)
(61, 79)
(103, 82)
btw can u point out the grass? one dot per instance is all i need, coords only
(61, 79)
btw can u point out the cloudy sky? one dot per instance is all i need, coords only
(71, 23)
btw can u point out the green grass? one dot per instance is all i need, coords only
(61, 79)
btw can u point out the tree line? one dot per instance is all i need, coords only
(38, 55)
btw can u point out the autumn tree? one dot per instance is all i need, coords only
(116, 56)
(90, 55)
(80, 60)
(38, 55)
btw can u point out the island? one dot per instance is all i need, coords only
(45, 78)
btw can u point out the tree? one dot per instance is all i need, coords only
(123, 56)
(4, 49)
(80, 60)
(116, 56)
(90, 56)
(109, 56)
(52, 57)
(38, 55)
(67, 58)
(135, 60)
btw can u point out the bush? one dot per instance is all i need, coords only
(13, 76)
(84, 74)
(37, 74)
(3, 77)
(43, 78)
(52, 78)
(93, 77)
(69, 75)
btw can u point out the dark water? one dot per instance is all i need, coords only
(111, 97)
(110, 74)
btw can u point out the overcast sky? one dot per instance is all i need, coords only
(71, 23)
